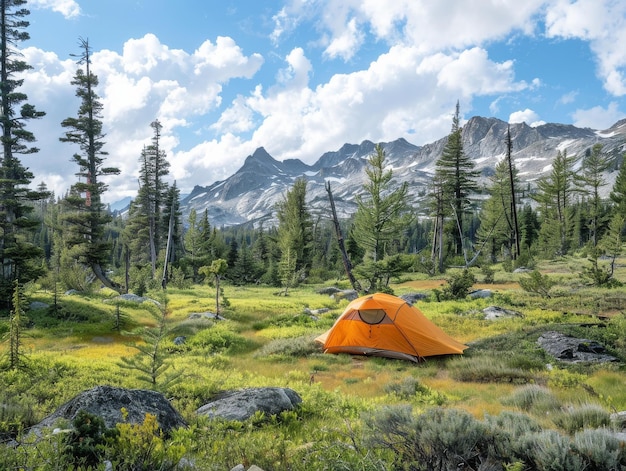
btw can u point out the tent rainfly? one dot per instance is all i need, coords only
(387, 326)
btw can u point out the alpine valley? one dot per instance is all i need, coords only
(250, 195)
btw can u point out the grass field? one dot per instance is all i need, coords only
(267, 340)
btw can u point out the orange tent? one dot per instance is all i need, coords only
(387, 326)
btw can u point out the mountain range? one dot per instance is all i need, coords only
(251, 193)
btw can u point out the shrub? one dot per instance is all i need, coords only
(410, 388)
(488, 274)
(600, 449)
(537, 283)
(86, 442)
(292, 347)
(437, 439)
(587, 416)
(142, 447)
(458, 286)
(533, 398)
(217, 339)
(487, 369)
(550, 451)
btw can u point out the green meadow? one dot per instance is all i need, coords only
(357, 412)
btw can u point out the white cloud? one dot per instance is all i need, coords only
(346, 43)
(527, 116)
(147, 81)
(603, 24)
(472, 73)
(598, 117)
(68, 8)
(423, 24)
(568, 98)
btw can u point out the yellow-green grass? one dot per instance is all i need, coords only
(93, 349)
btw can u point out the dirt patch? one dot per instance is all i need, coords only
(437, 284)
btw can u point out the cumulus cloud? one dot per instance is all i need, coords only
(527, 116)
(423, 24)
(471, 72)
(147, 81)
(603, 24)
(598, 117)
(435, 53)
(68, 8)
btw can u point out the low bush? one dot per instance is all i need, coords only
(533, 398)
(291, 347)
(437, 439)
(586, 416)
(600, 450)
(218, 339)
(549, 451)
(411, 389)
(457, 286)
(487, 369)
(537, 283)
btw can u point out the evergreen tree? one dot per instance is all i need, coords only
(152, 194)
(590, 182)
(146, 229)
(196, 239)
(554, 195)
(456, 173)
(495, 232)
(87, 216)
(382, 216)
(18, 256)
(618, 192)
(174, 249)
(295, 233)
(499, 226)
(513, 182)
(529, 227)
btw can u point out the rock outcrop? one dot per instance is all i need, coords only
(574, 350)
(107, 402)
(243, 404)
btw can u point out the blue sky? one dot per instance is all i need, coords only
(302, 77)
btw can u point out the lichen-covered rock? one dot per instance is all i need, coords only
(572, 349)
(496, 312)
(412, 298)
(243, 404)
(107, 402)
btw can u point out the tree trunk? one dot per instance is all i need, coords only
(344, 255)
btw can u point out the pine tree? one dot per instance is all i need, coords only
(499, 225)
(456, 173)
(382, 216)
(554, 195)
(618, 193)
(197, 252)
(295, 233)
(174, 250)
(18, 256)
(151, 363)
(16, 321)
(590, 182)
(87, 216)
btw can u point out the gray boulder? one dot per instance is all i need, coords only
(38, 305)
(348, 294)
(481, 294)
(107, 402)
(496, 312)
(328, 290)
(412, 298)
(315, 312)
(574, 350)
(243, 404)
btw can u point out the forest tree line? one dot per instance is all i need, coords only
(73, 241)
